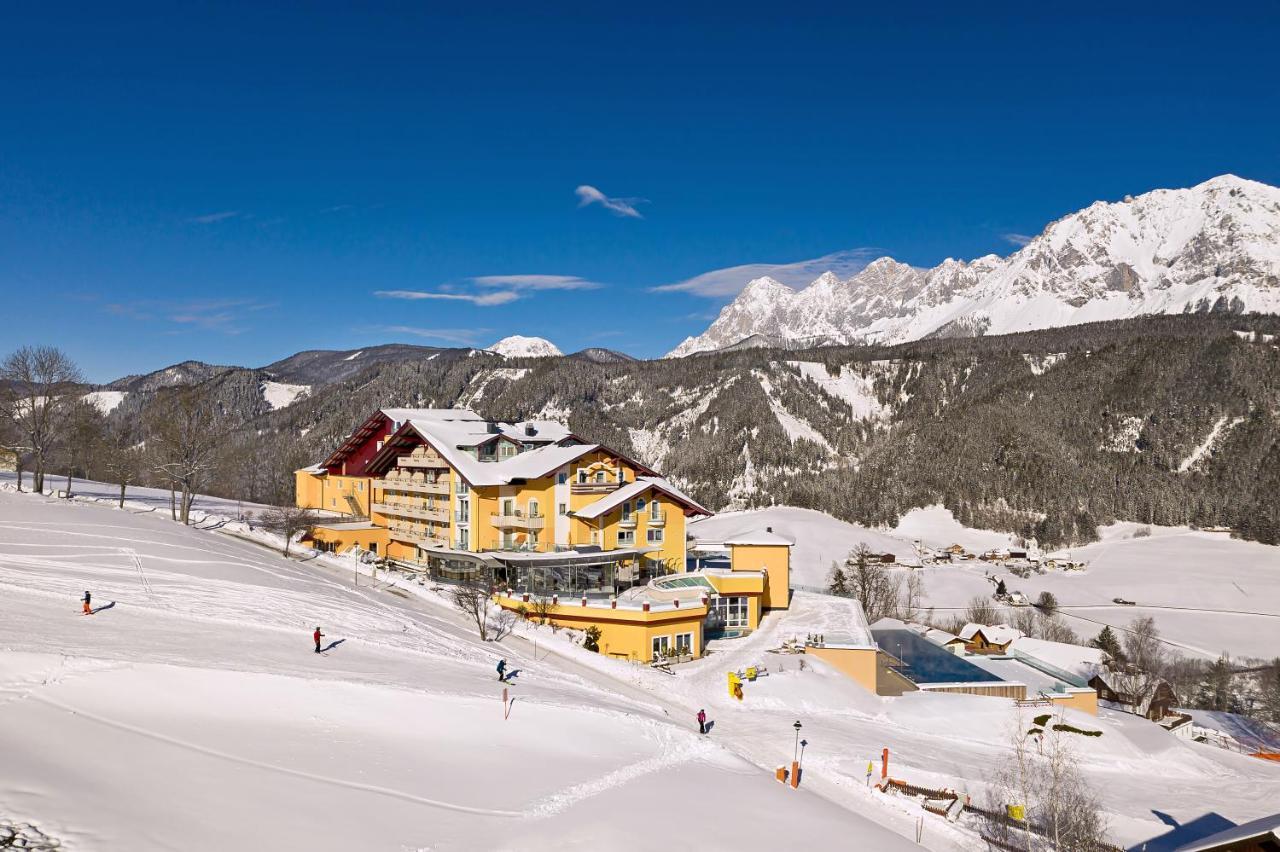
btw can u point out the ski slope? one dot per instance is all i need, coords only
(193, 714)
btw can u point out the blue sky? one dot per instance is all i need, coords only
(234, 184)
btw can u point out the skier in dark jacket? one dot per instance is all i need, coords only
(702, 721)
(502, 669)
(317, 636)
(88, 610)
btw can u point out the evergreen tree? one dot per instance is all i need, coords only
(1001, 591)
(1106, 640)
(838, 585)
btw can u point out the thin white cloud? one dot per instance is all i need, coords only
(720, 283)
(226, 316)
(210, 218)
(484, 300)
(1017, 239)
(460, 336)
(537, 282)
(617, 206)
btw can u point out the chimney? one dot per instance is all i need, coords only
(768, 529)
(530, 430)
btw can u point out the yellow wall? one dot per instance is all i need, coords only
(773, 558)
(344, 540)
(307, 489)
(1086, 702)
(624, 633)
(859, 664)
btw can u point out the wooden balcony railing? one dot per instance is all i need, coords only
(409, 487)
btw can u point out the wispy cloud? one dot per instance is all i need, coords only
(617, 206)
(210, 218)
(729, 281)
(225, 316)
(459, 336)
(485, 291)
(536, 282)
(1017, 239)
(484, 300)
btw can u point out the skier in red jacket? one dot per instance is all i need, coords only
(317, 636)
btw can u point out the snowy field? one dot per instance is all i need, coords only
(1208, 593)
(192, 714)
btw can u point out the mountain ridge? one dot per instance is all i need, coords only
(1214, 246)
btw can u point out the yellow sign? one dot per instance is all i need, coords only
(735, 685)
(1018, 812)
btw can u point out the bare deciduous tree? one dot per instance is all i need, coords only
(1146, 657)
(122, 458)
(83, 431)
(981, 611)
(474, 600)
(287, 521)
(1059, 810)
(183, 435)
(872, 584)
(37, 386)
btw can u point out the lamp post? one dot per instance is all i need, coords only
(795, 755)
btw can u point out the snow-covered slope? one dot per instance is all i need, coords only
(280, 395)
(1215, 246)
(519, 346)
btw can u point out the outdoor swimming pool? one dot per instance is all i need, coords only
(926, 662)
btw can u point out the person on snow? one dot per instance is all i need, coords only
(88, 610)
(317, 636)
(502, 669)
(702, 721)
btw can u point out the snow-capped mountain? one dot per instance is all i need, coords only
(1215, 246)
(519, 346)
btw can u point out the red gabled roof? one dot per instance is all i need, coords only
(369, 430)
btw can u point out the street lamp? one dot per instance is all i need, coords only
(795, 755)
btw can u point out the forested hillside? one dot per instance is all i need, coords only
(1167, 420)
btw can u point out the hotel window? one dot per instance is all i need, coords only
(654, 536)
(733, 611)
(562, 478)
(655, 510)
(564, 508)
(661, 644)
(684, 643)
(626, 538)
(640, 505)
(626, 511)
(600, 476)
(463, 487)
(595, 536)
(582, 476)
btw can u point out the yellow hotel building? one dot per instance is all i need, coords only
(586, 534)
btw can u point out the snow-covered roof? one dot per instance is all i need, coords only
(761, 537)
(1266, 828)
(1078, 660)
(544, 431)
(633, 489)
(841, 622)
(996, 634)
(447, 439)
(313, 468)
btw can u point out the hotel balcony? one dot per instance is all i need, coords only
(518, 521)
(594, 487)
(659, 521)
(421, 460)
(418, 537)
(410, 510)
(628, 522)
(408, 487)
